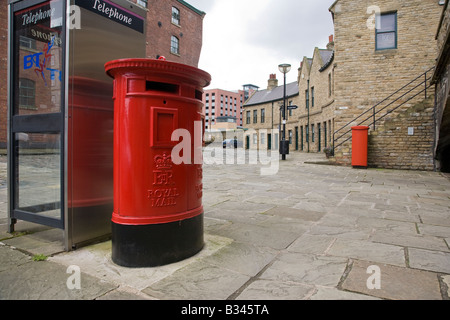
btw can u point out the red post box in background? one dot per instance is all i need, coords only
(359, 146)
(158, 213)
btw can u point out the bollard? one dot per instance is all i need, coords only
(158, 213)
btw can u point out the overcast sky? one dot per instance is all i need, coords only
(244, 41)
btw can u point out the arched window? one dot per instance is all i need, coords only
(174, 45)
(175, 16)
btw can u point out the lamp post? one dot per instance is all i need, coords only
(284, 145)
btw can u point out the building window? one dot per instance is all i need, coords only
(175, 16)
(27, 42)
(142, 3)
(27, 93)
(255, 138)
(312, 133)
(307, 98)
(263, 115)
(386, 31)
(255, 116)
(312, 96)
(290, 136)
(174, 45)
(263, 138)
(248, 117)
(329, 85)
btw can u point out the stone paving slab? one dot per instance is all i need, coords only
(198, 281)
(397, 283)
(24, 279)
(258, 235)
(306, 269)
(366, 250)
(429, 260)
(413, 240)
(275, 290)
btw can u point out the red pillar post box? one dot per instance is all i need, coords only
(158, 213)
(359, 146)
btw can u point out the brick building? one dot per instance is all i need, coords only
(3, 73)
(174, 29)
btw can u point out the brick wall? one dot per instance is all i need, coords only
(3, 74)
(363, 75)
(160, 29)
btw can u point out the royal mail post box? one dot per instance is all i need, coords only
(158, 214)
(359, 146)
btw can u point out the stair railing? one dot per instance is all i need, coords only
(423, 80)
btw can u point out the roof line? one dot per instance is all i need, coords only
(199, 12)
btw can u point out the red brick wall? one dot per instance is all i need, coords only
(160, 29)
(3, 72)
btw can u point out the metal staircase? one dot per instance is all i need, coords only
(371, 116)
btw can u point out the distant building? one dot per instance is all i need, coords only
(222, 103)
(309, 126)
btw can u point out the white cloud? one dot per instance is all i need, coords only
(245, 40)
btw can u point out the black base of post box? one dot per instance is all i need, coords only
(156, 244)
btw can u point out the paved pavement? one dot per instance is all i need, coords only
(310, 231)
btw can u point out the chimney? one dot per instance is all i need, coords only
(330, 45)
(273, 82)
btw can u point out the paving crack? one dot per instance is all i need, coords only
(235, 294)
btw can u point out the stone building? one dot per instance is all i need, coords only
(316, 100)
(309, 126)
(380, 47)
(441, 79)
(262, 115)
(174, 29)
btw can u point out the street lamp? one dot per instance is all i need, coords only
(284, 144)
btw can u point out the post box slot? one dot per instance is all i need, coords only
(162, 87)
(198, 95)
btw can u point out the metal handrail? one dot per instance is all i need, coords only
(427, 83)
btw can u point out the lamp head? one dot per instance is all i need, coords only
(284, 68)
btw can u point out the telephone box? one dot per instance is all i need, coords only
(60, 111)
(158, 212)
